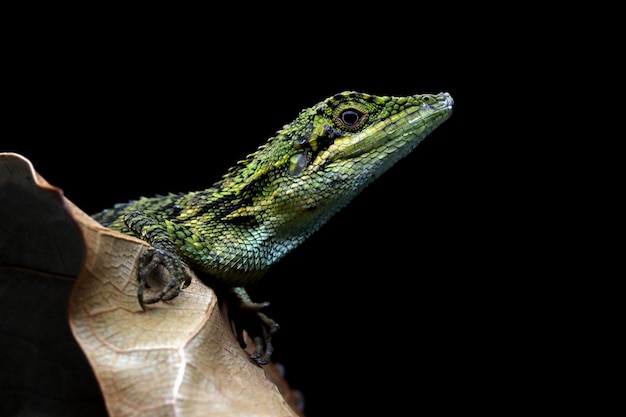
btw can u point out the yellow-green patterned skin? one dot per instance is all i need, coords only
(276, 197)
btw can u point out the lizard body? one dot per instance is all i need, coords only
(276, 197)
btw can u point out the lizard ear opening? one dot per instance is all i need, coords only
(298, 162)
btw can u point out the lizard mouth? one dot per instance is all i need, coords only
(409, 126)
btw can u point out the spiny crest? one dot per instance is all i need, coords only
(276, 150)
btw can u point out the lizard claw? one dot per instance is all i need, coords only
(263, 347)
(149, 260)
(257, 325)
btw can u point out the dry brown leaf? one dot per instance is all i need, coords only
(177, 358)
(43, 372)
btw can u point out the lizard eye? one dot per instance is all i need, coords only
(350, 119)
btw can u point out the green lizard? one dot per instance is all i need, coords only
(271, 201)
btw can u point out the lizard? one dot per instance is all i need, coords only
(268, 203)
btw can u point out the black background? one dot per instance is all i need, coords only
(404, 299)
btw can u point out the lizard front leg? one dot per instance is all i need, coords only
(259, 327)
(244, 313)
(157, 232)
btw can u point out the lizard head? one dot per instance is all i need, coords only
(369, 131)
(329, 153)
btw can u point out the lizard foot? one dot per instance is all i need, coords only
(246, 313)
(149, 260)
